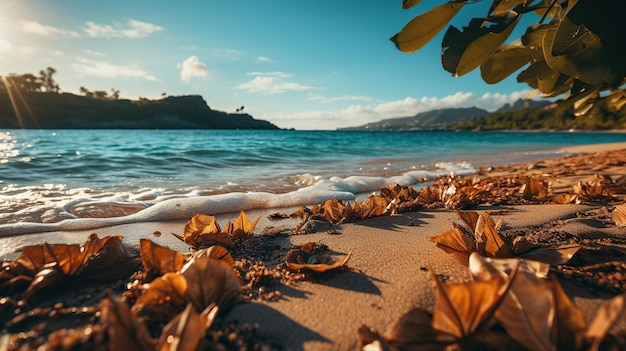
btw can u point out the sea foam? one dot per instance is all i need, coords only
(177, 207)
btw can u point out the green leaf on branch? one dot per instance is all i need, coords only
(464, 51)
(506, 60)
(421, 29)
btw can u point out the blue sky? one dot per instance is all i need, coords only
(300, 64)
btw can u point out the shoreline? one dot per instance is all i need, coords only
(393, 259)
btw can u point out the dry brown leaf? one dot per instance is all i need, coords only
(553, 256)
(619, 215)
(563, 199)
(184, 332)
(46, 266)
(125, 330)
(158, 260)
(608, 314)
(570, 324)
(203, 231)
(463, 308)
(527, 310)
(533, 187)
(242, 227)
(414, 331)
(210, 281)
(162, 299)
(300, 259)
(495, 245)
(336, 211)
(456, 240)
(470, 218)
(216, 252)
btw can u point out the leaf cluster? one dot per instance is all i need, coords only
(578, 50)
(517, 295)
(481, 234)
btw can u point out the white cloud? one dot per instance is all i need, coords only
(5, 45)
(231, 54)
(133, 29)
(192, 67)
(104, 69)
(264, 59)
(327, 100)
(44, 30)
(270, 74)
(271, 83)
(356, 115)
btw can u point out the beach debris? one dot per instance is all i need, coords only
(47, 267)
(203, 231)
(201, 282)
(600, 188)
(184, 332)
(518, 295)
(313, 257)
(462, 310)
(481, 234)
(124, 329)
(564, 199)
(241, 228)
(158, 260)
(217, 252)
(537, 313)
(619, 215)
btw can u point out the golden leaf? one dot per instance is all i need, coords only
(552, 256)
(158, 260)
(216, 252)
(210, 281)
(184, 332)
(463, 308)
(456, 240)
(51, 264)
(414, 330)
(495, 246)
(163, 298)
(619, 215)
(608, 314)
(563, 199)
(125, 330)
(527, 310)
(570, 324)
(204, 231)
(300, 259)
(242, 227)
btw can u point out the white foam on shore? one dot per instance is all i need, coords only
(177, 207)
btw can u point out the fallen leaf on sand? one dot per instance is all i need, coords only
(317, 262)
(619, 215)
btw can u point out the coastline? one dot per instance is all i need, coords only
(393, 259)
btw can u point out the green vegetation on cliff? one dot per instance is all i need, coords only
(602, 116)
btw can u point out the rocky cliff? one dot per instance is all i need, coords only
(68, 111)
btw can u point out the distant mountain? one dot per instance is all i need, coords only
(435, 119)
(522, 103)
(68, 111)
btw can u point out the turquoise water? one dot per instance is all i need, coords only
(45, 171)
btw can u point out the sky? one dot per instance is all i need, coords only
(321, 64)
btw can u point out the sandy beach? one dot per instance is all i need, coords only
(393, 259)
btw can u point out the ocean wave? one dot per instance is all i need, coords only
(57, 213)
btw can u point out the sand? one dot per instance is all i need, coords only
(393, 259)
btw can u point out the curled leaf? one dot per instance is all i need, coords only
(210, 281)
(456, 240)
(204, 231)
(463, 308)
(619, 215)
(242, 228)
(158, 260)
(125, 330)
(183, 332)
(300, 259)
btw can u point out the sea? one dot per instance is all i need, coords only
(84, 179)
